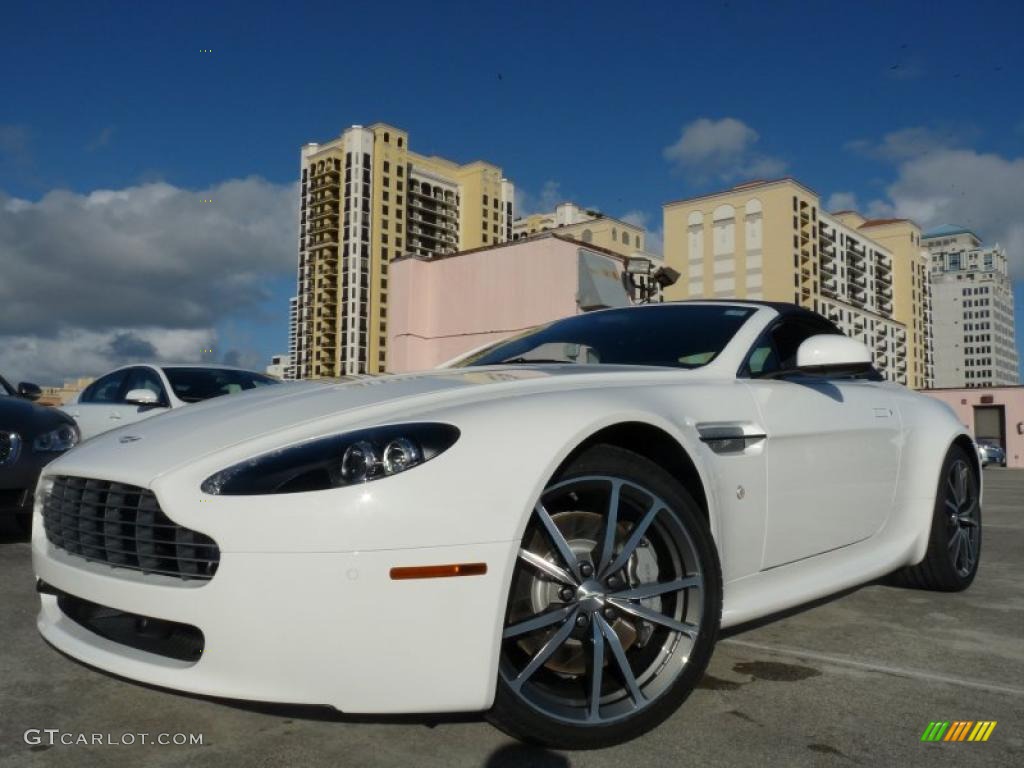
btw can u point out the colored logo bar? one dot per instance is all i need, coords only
(959, 730)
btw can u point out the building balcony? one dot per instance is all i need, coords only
(432, 206)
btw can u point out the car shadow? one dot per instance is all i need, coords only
(518, 755)
(748, 626)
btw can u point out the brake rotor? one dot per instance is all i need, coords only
(582, 530)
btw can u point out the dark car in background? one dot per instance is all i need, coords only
(31, 436)
(991, 452)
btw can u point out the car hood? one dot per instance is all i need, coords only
(28, 419)
(155, 446)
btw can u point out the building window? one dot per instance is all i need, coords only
(387, 166)
(387, 137)
(399, 141)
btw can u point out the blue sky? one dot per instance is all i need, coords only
(880, 104)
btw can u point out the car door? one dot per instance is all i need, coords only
(832, 453)
(96, 403)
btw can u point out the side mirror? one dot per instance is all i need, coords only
(834, 355)
(29, 391)
(142, 397)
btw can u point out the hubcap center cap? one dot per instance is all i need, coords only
(590, 595)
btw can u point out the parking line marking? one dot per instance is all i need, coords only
(880, 668)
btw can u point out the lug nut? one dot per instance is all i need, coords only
(566, 593)
(613, 582)
(609, 613)
(586, 569)
(581, 620)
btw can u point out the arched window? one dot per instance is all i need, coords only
(625, 238)
(387, 137)
(753, 225)
(724, 218)
(695, 236)
(588, 236)
(615, 234)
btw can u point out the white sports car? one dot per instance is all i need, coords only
(553, 530)
(136, 392)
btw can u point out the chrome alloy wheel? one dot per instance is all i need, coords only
(961, 501)
(606, 602)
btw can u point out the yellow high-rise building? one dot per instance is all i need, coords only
(770, 240)
(366, 198)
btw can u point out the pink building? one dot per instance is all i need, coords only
(993, 413)
(445, 306)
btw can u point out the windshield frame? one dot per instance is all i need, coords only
(517, 354)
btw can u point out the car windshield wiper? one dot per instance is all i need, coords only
(533, 360)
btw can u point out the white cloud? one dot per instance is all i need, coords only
(905, 143)
(981, 191)
(90, 279)
(841, 201)
(101, 139)
(721, 149)
(527, 204)
(75, 352)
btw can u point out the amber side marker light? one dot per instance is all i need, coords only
(438, 571)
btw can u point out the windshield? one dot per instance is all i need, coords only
(191, 385)
(676, 336)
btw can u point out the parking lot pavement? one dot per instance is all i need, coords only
(851, 681)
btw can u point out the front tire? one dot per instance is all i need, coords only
(614, 606)
(954, 545)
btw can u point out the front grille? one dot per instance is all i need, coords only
(166, 638)
(123, 526)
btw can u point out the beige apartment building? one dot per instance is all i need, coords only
(974, 335)
(770, 240)
(586, 225)
(366, 198)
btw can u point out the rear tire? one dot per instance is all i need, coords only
(642, 609)
(954, 544)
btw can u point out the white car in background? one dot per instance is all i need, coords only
(137, 392)
(557, 542)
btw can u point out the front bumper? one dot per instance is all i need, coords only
(328, 628)
(302, 608)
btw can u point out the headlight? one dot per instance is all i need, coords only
(335, 461)
(62, 438)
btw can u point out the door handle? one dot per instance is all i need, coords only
(115, 416)
(883, 413)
